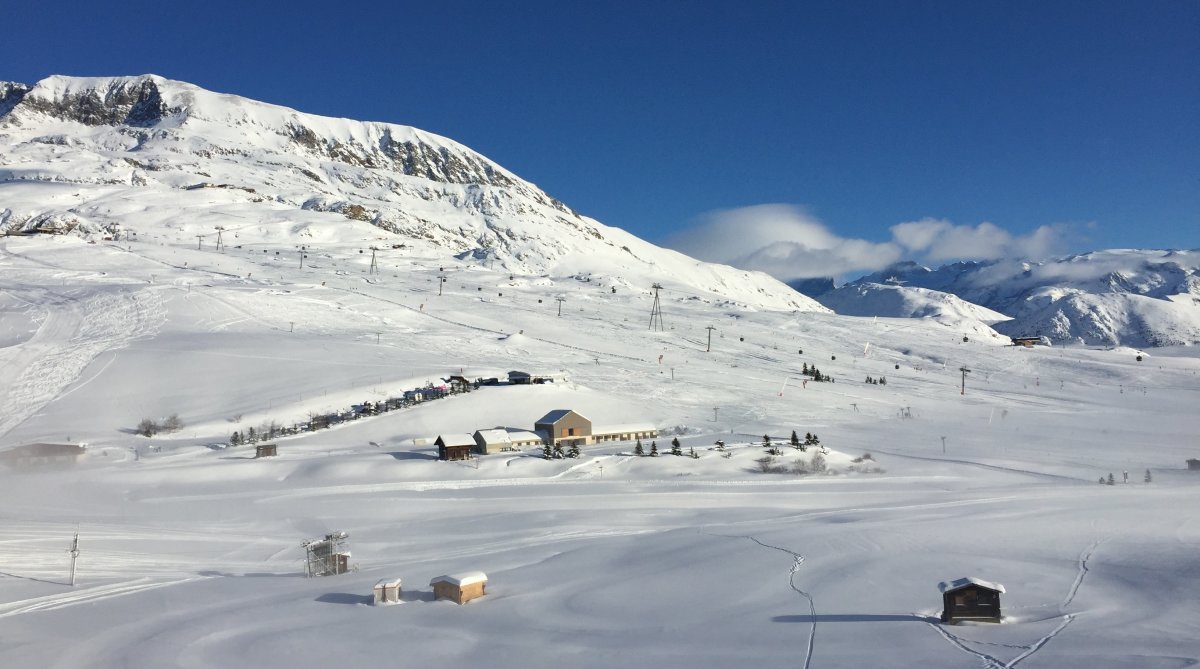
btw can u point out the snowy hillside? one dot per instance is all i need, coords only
(874, 299)
(1118, 297)
(922, 455)
(133, 155)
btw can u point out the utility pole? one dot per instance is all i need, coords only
(560, 301)
(301, 257)
(964, 371)
(441, 281)
(943, 445)
(714, 414)
(710, 331)
(74, 556)
(656, 309)
(220, 244)
(374, 266)
(199, 241)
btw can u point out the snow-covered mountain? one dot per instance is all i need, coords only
(875, 299)
(96, 156)
(1127, 297)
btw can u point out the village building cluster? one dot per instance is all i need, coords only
(561, 427)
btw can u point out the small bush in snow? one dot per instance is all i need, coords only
(818, 463)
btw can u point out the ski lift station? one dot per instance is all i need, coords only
(459, 588)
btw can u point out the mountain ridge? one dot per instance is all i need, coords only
(164, 153)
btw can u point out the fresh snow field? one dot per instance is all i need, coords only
(190, 551)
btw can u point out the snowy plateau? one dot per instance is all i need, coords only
(358, 261)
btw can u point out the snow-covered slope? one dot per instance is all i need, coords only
(98, 156)
(1127, 297)
(875, 299)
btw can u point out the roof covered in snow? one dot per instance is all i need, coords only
(456, 439)
(465, 578)
(496, 436)
(960, 583)
(388, 583)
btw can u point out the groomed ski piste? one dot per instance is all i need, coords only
(190, 550)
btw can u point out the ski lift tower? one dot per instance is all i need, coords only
(656, 309)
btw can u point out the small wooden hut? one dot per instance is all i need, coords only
(387, 591)
(459, 588)
(1194, 464)
(455, 446)
(970, 599)
(265, 451)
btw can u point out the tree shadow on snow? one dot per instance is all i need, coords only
(345, 598)
(31, 578)
(412, 455)
(854, 618)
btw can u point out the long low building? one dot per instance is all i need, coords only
(624, 432)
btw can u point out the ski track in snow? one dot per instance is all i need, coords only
(992, 662)
(70, 338)
(797, 561)
(85, 596)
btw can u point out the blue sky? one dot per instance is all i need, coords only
(806, 131)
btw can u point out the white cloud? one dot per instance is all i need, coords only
(789, 243)
(938, 240)
(782, 240)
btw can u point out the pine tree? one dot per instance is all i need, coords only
(638, 450)
(236, 440)
(1147, 479)
(692, 454)
(795, 440)
(1111, 480)
(574, 452)
(675, 448)
(766, 441)
(654, 449)
(558, 451)
(250, 437)
(546, 453)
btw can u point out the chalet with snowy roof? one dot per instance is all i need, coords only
(1027, 342)
(458, 383)
(265, 451)
(1193, 464)
(564, 426)
(455, 446)
(500, 440)
(43, 455)
(387, 591)
(970, 599)
(459, 588)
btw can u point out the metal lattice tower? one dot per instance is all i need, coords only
(374, 265)
(656, 309)
(327, 556)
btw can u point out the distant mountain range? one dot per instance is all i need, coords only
(1134, 298)
(107, 156)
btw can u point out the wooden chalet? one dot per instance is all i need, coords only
(43, 455)
(1027, 342)
(459, 588)
(564, 426)
(458, 383)
(455, 446)
(520, 378)
(970, 599)
(265, 451)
